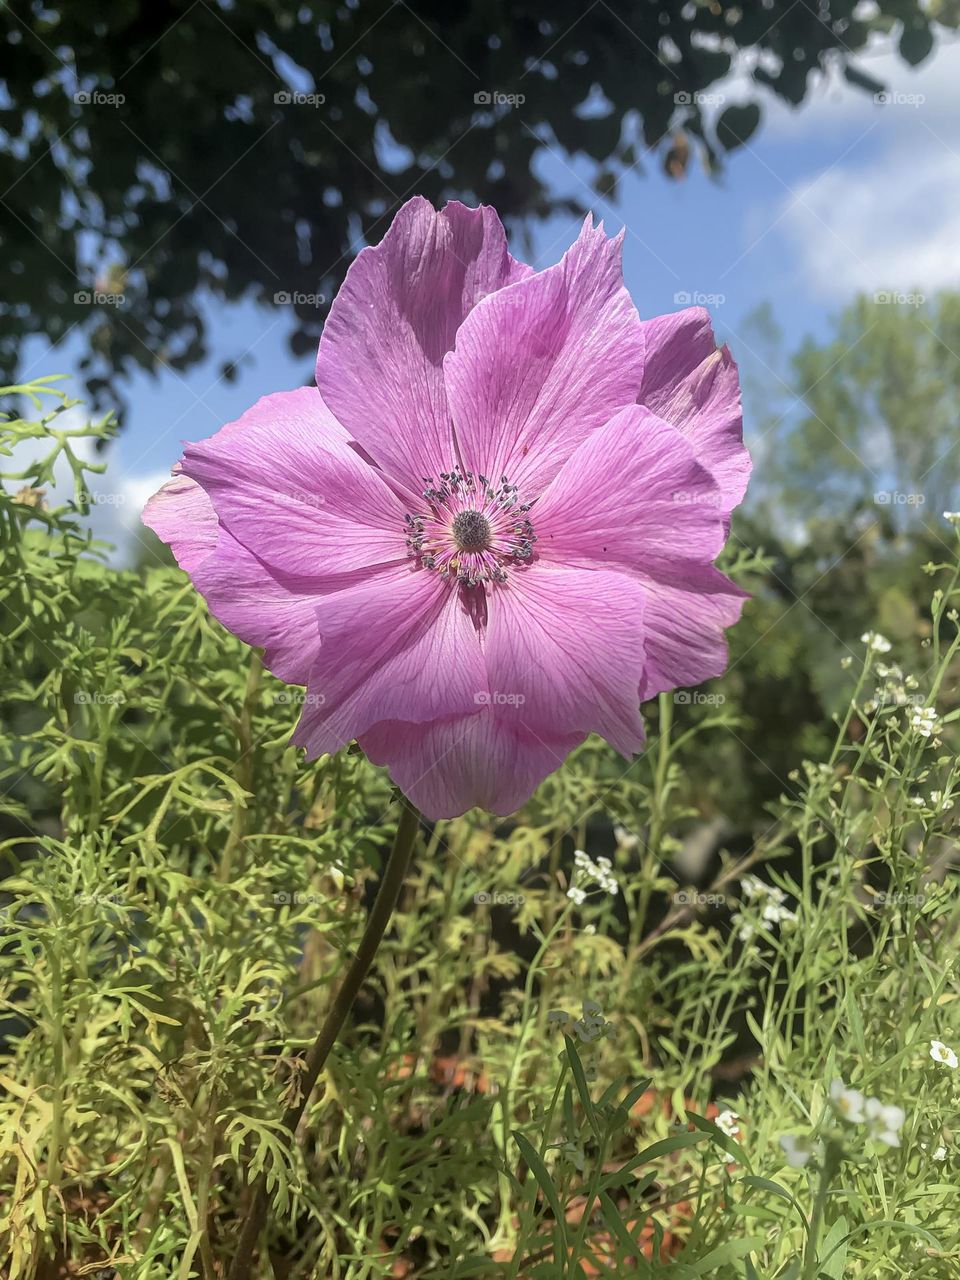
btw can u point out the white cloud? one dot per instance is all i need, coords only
(890, 223)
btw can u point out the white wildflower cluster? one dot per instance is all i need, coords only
(942, 1053)
(952, 517)
(726, 1122)
(876, 642)
(923, 721)
(772, 903)
(883, 1122)
(937, 801)
(896, 689)
(587, 873)
(590, 1026)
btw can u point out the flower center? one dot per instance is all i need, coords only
(469, 530)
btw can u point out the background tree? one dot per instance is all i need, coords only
(159, 151)
(874, 423)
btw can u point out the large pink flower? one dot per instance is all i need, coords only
(491, 530)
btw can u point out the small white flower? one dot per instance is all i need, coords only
(558, 1015)
(577, 895)
(745, 929)
(952, 517)
(885, 1122)
(939, 1154)
(727, 1123)
(878, 643)
(625, 839)
(848, 1103)
(774, 913)
(923, 720)
(580, 859)
(941, 1052)
(796, 1151)
(753, 887)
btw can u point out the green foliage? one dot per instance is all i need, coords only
(530, 1085)
(880, 400)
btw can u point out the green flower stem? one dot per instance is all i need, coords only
(393, 877)
(831, 1164)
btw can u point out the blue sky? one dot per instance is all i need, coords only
(840, 195)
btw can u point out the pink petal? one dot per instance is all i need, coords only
(265, 610)
(540, 365)
(632, 494)
(453, 765)
(686, 615)
(693, 384)
(565, 653)
(398, 646)
(181, 514)
(286, 483)
(379, 366)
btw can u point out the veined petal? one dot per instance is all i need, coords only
(182, 515)
(565, 653)
(687, 614)
(265, 609)
(632, 494)
(285, 481)
(692, 383)
(450, 766)
(380, 361)
(398, 646)
(540, 365)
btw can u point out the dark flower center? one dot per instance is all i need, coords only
(471, 531)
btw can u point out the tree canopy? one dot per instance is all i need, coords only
(170, 153)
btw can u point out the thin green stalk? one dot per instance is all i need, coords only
(831, 1163)
(393, 877)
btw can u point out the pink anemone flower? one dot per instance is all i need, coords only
(489, 530)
